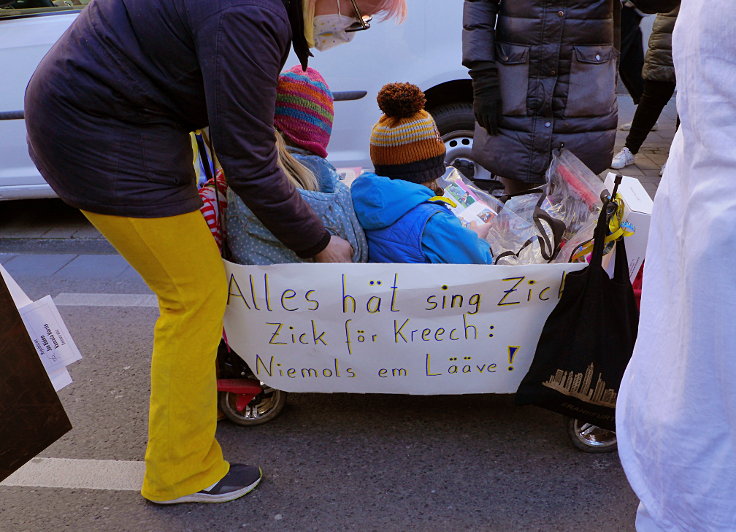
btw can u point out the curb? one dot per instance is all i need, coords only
(76, 246)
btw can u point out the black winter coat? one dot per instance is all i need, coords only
(110, 107)
(557, 68)
(658, 64)
(557, 72)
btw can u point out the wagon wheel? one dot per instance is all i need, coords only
(590, 438)
(264, 407)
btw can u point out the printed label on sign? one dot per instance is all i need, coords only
(49, 334)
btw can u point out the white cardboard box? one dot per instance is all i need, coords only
(638, 213)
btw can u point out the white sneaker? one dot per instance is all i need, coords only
(622, 159)
(627, 127)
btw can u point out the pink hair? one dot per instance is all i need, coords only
(392, 9)
(387, 8)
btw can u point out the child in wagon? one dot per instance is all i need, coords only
(303, 124)
(400, 206)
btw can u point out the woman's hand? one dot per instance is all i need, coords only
(337, 250)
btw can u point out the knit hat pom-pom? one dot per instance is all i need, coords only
(401, 100)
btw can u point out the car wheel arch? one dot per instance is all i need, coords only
(449, 92)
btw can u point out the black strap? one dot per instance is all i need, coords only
(298, 41)
(203, 144)
(601, 228)
(204, 156)
(515, 254)
(549, 249)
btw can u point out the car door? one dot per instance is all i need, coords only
(27, 32)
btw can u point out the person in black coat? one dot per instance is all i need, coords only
(659, 86)
(631, 60)
(544, 76)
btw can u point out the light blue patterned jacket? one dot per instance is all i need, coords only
(251, 243)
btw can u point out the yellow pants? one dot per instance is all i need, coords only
(179, 260)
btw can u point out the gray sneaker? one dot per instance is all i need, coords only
(240, 480)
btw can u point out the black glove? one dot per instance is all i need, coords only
(487, 98)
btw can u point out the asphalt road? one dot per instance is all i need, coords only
(331, 461)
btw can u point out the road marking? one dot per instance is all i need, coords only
(105, 300)
(78, 474)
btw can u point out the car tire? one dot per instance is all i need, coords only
(456, 124)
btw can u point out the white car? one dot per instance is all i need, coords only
(425, 50)
(25, 36)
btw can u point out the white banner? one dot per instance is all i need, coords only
(423, 329)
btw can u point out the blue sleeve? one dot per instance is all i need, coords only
(445, 240)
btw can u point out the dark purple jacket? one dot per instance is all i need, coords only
(110, 108)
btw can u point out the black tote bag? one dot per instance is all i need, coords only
(586, 342)
(31, 415)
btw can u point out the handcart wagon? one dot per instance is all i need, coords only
(421, 329)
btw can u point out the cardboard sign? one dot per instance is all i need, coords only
(31, 415)
(423, 329)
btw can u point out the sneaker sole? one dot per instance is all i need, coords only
(213, 499)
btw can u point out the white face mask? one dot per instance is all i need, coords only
(329, 30)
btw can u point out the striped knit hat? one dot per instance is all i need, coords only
(405, 142)
(304, 109)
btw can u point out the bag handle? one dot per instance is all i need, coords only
(621, 269)
(549, 250)
(601, 228)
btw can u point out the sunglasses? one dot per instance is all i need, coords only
(363, 22)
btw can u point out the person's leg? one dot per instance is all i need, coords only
(632, 53)
(655, 97)
(178, 259)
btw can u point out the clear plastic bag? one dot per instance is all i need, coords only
(574, 195)
(530, 239)
(543, 225)
(508, 232)
(471, 203)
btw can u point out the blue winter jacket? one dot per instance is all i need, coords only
(402, 225)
